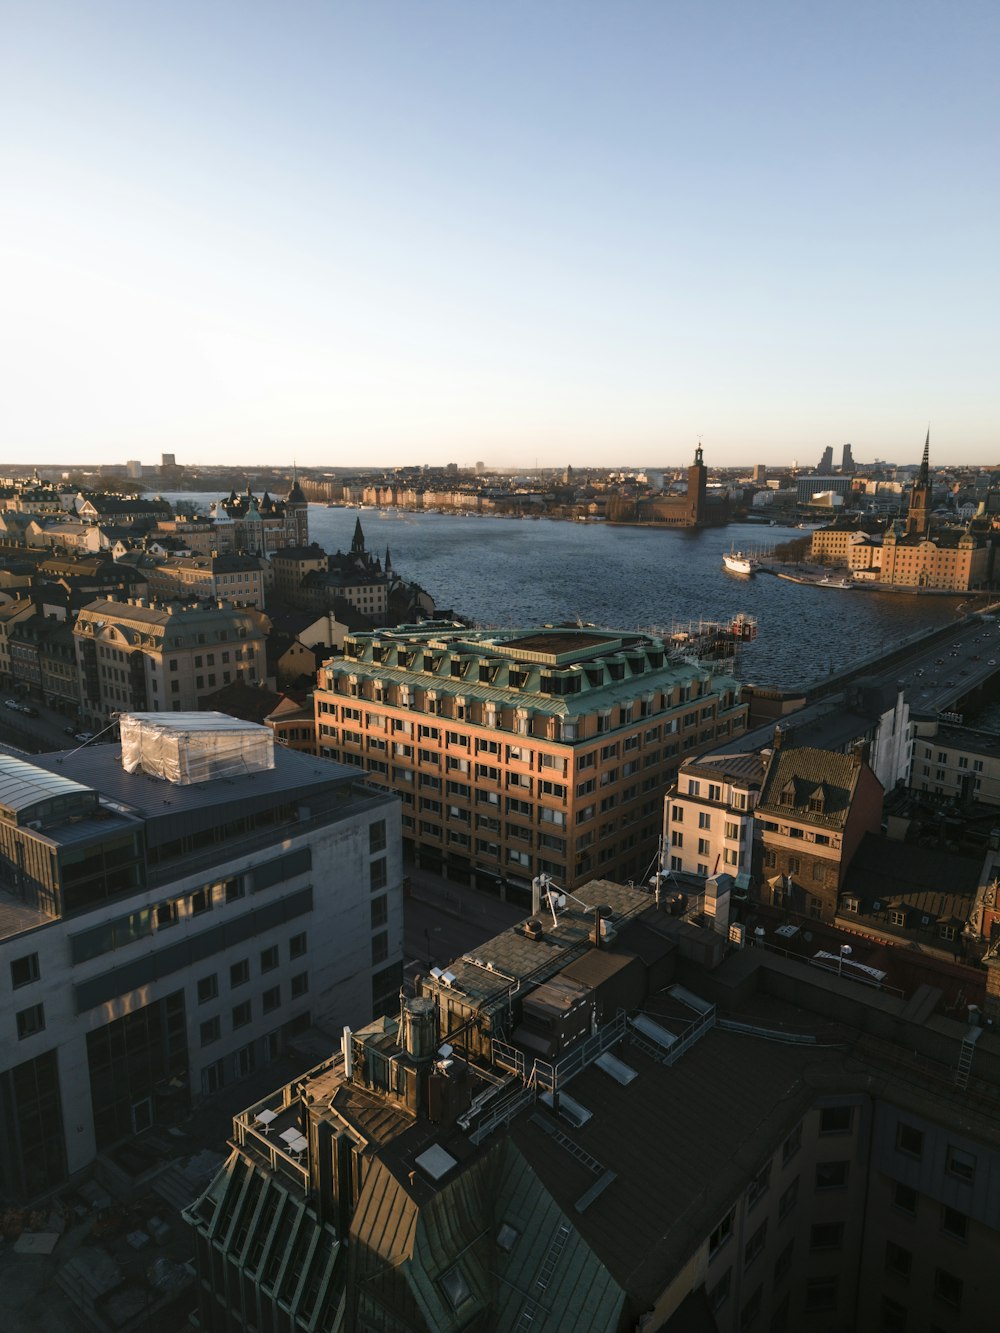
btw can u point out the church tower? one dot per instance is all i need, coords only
(297, 513)
(918, 520)
(697, 476)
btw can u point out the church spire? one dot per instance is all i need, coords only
(925, 470)
(358, 544)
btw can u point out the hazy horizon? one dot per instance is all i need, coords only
(451, 232)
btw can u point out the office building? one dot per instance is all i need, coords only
(519, 752)
(168, 920)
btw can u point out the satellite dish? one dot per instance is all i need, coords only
(807, 936)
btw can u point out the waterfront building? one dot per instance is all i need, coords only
(163, 658)
(955, 559)
(814, 809)
(441, 1172)
(165, 929)
(821, 483)
(523, 751)
(356, 578)
(694, 509)
(260, 526)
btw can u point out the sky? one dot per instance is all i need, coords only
(518, 231)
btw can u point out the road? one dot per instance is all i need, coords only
(936, 679)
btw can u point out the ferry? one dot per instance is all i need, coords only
(740, 562)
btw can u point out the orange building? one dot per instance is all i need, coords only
(521, 752)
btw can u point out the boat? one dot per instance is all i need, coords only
(740, 562)
(710, 640)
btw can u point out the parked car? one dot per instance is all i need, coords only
(83, 737)
(69, 731)
(30, 709)
(12, 704)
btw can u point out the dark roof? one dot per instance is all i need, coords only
(797, 776)
(244, 701)
(931, 880)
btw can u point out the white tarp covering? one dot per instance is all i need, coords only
(194, 747)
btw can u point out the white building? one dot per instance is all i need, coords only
(160, 937)
(708, 815)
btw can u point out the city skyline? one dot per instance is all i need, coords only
(554, 236)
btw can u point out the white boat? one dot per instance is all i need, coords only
(739, 562)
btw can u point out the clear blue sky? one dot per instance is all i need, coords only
(400, 231)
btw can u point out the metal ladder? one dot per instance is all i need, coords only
(559, 1240)
(968, 1050)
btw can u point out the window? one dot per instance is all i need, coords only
(23, 971)
(755, 1245)
(904, 1198)
(750, 1311)
(953, 1223)
(378, 874)
(759, 1185)
(208, 988)
(242, 1015)
(948, 1288)
(272, 999)
(721, 1234)
(909, 1140)
(201, 901)
(235, 888)
(30, 1021)
(898, 1260)
(455, 1287)
(821, 1293)
(269, 958)
(791, 1145)
(704, 819)
(793, 865)
(297, 946)
(826, 1236)
(380, 947)
(788, 1200)
(832, 1175)
(300, 985)
(165, 914)
(783, 1262)
(893, 1316)
(719, 1294)
(239, 973)
(960, 1164)
(211, 1030)
(676, 839)
(677, 814)
(380, 912)
(704, 847)
(836, 1119)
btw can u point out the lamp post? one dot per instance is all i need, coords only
(845, 952)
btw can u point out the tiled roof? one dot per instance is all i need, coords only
(796, 776)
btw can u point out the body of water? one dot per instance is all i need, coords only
(503, 572)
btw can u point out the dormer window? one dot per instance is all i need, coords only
(788, 793)
(817, 801)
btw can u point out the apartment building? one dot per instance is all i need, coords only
(291, 565)
(573, 1129)
(524, 751)
(169, 919)
(238, 579)
(815, 808)
(163, 658)
(708, 816)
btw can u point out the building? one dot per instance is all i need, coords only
(847, 463)
(821, 483)
(918, 516)
(290, 567)
(238, 579)
(258, 526)
(953, 559)
(826, 461)
(814, 809)
(709, 816)
(956, 763)
(132, 656)
(161, 937)
(582, 1129)
(523, 751)
(356, 578)
(694, 509)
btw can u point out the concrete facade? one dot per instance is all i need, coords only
(228, 916)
